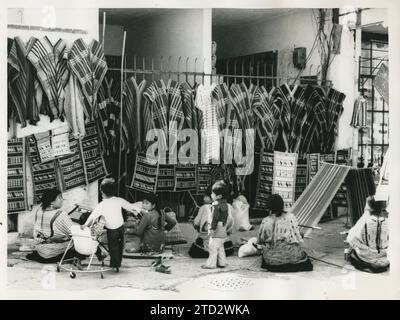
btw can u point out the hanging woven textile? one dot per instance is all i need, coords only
(16, 188)
(301, 175)
(132, 117)
(51, 67)
(334, 108)
(342, 158)
(360, 184)
(298, 116)
(71, 166)
(89, 66)
(60, 142)
(210, 141)
(267, 115)
(265, 179)
(314, 129)
(312, 204)
(285, 176)
(166, 177)
(313, 165)
(359, 116)
(93, 161)
(44, 146)
(145, 174)
(185, 177)
(23, 82)
(75, 108)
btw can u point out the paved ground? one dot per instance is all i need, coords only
(243, 278)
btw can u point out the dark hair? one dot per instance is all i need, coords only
(376, 206)
(48, 197)
(208, 191)
(220, 188)
(275, 204)
(107, 186)
(153, 199)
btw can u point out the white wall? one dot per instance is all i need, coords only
(282, 33)
(178, 32)
(82, 19)
(113, 39)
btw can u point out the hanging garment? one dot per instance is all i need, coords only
(71, 166)
(265, 179)
(23, 82)
(51, 66)
(298, 116)
(188, 94)
(210, 143)
(132, 117)
(334, 108)
(359, 117)
(285, 177)
(156, 108)
(93, 161)
(360, 184)
(231, 146)
(89, 66)
(315, 124)
(311, 205)
(267, 115)
(11, 110)
(75, 108)
(16, 193)
(176, 115)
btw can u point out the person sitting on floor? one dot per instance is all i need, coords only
(111, 209)
(52, 230)
(280, 238)
(201, 223)
(152, 225)
(369, 239)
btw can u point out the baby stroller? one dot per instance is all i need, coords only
(85, 244)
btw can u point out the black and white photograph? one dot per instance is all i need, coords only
(207, 151)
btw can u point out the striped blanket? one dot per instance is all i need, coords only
(360, 185)
(311, 205)
(51, 66)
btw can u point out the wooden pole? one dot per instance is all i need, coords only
(104, 29)
(121, 109)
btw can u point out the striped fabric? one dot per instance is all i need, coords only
(210, 142)
(360, 184)
(156, 105)
(311, 205)
(301, 175)
(145, 175)
(298, 116)
(265, 179)
(75, 108)
(267, 114)
(188, 94)
(23, 82)
(334, 108)
(359, 116)
(132, 117)
(231, 146)
(185, 177)
(165, 178)
(44, 177)
(51, 66)
(89, 66)
(175, 111)
(11, 110)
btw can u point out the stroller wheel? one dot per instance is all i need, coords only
(72, 275)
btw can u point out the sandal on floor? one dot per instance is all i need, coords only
(163, 269)
(207, 267)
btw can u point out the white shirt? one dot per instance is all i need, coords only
(111, 209)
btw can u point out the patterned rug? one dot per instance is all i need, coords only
(285, 176)
(145, 175)
(16, 190)
(265, 179)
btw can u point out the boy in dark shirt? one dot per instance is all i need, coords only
(217, 228)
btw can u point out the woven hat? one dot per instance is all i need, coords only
(275, 203)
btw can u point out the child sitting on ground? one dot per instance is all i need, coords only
(217, 230)
(111, 209)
